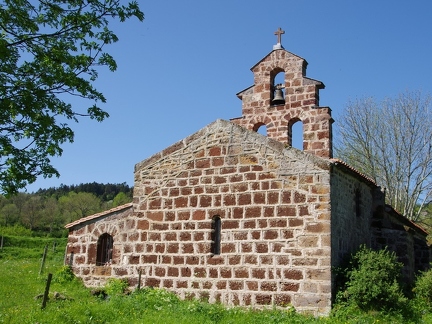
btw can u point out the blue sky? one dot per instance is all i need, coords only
(180, 69)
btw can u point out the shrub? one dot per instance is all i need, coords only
(116, 287)
(65, 274)
(371, 281)
(423, 289)
(16, 230)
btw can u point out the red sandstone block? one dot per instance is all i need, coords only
(240, 236)
(178, 260)
(217, 161)
(193, 201)
(171, 236)
(159, 248)
(262, 299)
(192, 260)
(186, 272)
(198, 215)
(154, 236)
(268, 286)
(246, 247)
(271, 234)
(283, 300)
(202, 163)
(167, 283)
(261, 247)
(244, 199)
(286, 211)
(235, 285)
(152, 282)
(259, 198)
(299, 198)
(214, 151)
(273, 198)
(250, 259)
(249, 224)
(256, 235)
(157, 227)
(219, 179)
(266, 175)
(282, 260)
(287, 234)
(143, 224)
(181, 284)
(205, 201)
(160, 272)
(166, 259)
(181, 202)
(267, 259)
(187, 248)
(149, 258)
(213, 273)
(228, 170)
(155, 203)
(215, 260)
(237, 212)
(155, 216)
(203, 248)
(229, 200)
(292, 274)
(221, 285)
(230, 224)
(228, 248)
(225, 273)
(183, 215)
(268, 211)
(234, 260)
(235, 178)
(198, 236)
(172, 248)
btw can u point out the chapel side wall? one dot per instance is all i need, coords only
(82, 246)
(275, 218)
(350, 225)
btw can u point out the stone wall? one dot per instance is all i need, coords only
(352, 205)
(82, 243)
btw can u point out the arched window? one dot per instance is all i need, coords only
(216, 235)
(357, 202)
(104, 249)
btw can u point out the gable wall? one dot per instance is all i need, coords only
(274, 206)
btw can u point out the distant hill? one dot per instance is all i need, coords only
(105, 192)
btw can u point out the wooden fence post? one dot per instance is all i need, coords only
(43, 259)
(139, 279)
(47, 287)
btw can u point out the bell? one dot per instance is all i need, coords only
(278, 97)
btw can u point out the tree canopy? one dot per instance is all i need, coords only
(390, 142)
(49, 51)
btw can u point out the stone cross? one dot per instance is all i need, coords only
(279, 34)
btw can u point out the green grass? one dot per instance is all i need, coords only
(21, 282)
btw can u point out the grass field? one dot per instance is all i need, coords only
(20, 264)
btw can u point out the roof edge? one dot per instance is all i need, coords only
(98, 215)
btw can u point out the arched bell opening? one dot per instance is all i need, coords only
(295, 134)
(278, 88)
(260, 128)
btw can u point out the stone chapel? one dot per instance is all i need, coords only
(232, 216)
